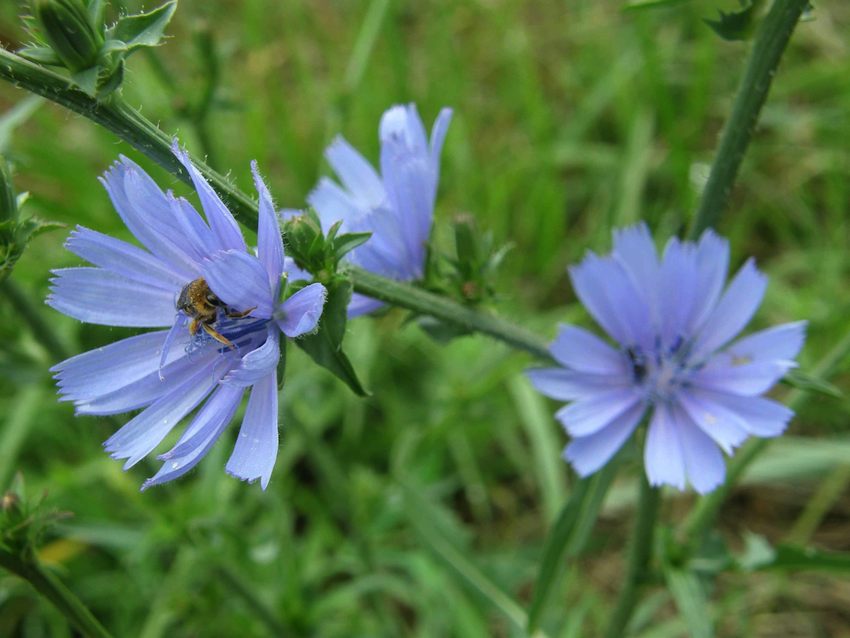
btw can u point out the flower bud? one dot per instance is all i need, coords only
(68, 29)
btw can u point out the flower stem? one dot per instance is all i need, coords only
(52, 588)
(773, 36)
(124, 121)
(426, 303)
(640, 553)
(705, 512)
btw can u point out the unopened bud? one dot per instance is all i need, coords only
(70, 32)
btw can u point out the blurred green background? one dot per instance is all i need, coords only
(382, 514)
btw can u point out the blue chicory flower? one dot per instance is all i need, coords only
(673, 324)
(397, 206)
(168, 373)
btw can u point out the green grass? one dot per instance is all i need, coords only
(422, 511)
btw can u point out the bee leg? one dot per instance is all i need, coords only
(193, 327)
(217, 336)
(237, 315)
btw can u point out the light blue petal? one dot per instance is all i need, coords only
(269, 242)
(704, 463)
(151, 387)
(221, 221)
(677, 290)
(734, 310)
(357, 175)
(239, 280)
(332, 204)
(199, 437)
(581, 350)
(781, 343)
(361, 305)
(663, 456)
(635, 250)
(293, 272)
(100, 296)
(438, 136)
(256, 364)
(410, 184)
(747, 379)
(193, 230)
(712, 266)
(727, 432)
(256, 446)
(111, 367)
(596, 411)
(589, 453)
(300, 314)
(757, 415)
(144, 432)
(178, 332)
(569, 385)
(123, 259)
(128, 186)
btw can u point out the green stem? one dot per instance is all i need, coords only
(640, 553)
(705, 512)
(773, 36)
(426, 303)
(53, 590)
(124, 121)
(31, 314)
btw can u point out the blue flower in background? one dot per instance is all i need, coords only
(223, 342)
(673, 323)
(397, 206)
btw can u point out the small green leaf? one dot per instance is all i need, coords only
(794, 558)
(143, 29)
(325, 345)
(348, 242)
(736, 25)
(40, 55)
(689, 594)
(86, 80)
(809, 383)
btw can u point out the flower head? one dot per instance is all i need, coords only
(397, 206)
(220, 344)
(673, 323)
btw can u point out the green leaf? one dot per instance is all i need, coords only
(348, 242)
(325, 345)
(86, 80)
(569, 535)
(809, 383)
(143, 29)
(736, 25)
(636, 5)
(689, 594)
(40, 55)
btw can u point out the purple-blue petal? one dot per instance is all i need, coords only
(199, 437)
(704, 462)
(594, 412)
(103, 297)
(269, 242)
(357, 175)
(123, 259)
(757, 415)
(587, 454)
(712, 266)
(333, 204)
(663, 456)
(727, 432)
(256, 364)
(300, 314)
(239, 280)
(256, 446)
(781, 343)
(221, 221)
(581, 350)
(570, 385)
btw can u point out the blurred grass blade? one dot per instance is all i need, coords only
(792, 558)
(548, 467)
(17, 115)
(635, 5)
(17, 426)
(569, 535)
(691, 601)
(419, 511)
(808, 382)
(365, 43)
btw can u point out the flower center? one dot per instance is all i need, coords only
(660, 372)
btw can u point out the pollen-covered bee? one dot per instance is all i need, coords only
(197, 301)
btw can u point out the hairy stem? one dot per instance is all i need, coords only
(53, 590)
(640, 553)
(773, 36)
(426, 303)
